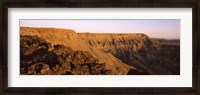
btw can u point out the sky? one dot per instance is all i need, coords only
(155, 28)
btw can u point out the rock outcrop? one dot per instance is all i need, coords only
(39, 57)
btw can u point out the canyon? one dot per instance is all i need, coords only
(55, 51)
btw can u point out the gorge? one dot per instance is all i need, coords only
(54, 51)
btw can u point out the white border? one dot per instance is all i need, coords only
(183, 80)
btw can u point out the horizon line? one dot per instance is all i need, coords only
(81, 32)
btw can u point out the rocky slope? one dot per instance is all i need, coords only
(116, 53)
(39, 57)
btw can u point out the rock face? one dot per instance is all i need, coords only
(62, 51)
(138, 50)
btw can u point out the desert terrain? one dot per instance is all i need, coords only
(55, 51)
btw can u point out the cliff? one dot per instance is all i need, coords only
(139, 50)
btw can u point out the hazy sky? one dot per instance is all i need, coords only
(153, 28)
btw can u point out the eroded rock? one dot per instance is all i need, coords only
(37, 58)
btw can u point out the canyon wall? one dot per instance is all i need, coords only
(117, 54)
